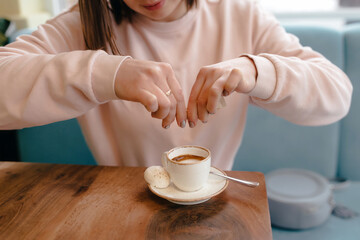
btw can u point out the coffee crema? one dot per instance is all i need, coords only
(186, 157)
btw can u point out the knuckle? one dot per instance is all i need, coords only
(217, 71)
(214, 91)
(230, 85)
(153, 71)
(213, 70)
(166, 105)
(204, 70)
(166, 67)
(238, 75)
(236, 72)
(173, 107)
(151, 103)
(178, 93)
(243, 86)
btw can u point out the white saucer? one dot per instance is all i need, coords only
(214, 186)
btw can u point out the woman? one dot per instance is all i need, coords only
(177, 59)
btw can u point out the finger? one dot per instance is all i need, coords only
(172, 113)
(192, 111)
(202, 112)
(215, 95)
(149, 100)
(203, 98)
(181, 114)
(245, 85)
(179, 100)
(163, 103)
(232, 82)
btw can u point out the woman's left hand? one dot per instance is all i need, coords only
(219, 80)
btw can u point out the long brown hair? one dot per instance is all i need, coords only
(96, 22)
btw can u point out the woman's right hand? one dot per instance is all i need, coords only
(147, 82)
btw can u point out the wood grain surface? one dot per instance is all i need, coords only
(48, 201)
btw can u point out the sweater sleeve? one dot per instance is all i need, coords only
(49, 76)
(295, 82)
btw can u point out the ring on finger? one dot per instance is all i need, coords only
(168, 93)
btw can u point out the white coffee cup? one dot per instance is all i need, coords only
(191, 172)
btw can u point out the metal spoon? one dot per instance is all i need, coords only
(244, 182)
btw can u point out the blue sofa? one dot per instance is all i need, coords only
(332, 151)
(269, 142)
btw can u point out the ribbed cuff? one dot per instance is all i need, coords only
(266, 79)
(103, 76)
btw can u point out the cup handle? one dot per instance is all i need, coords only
(164, 160)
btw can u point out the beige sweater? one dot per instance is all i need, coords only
(49, 77)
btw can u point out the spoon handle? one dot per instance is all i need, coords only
(244, 182)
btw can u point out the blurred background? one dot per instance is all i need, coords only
(327, 12)
(31, 13)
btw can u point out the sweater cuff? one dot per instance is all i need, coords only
(103, 76)
(266, 79)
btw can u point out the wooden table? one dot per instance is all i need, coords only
(49, 201)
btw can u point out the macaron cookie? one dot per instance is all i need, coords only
(157, 176)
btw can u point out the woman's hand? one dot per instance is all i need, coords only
(154, 85)
(219, 80)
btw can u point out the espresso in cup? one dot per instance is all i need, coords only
(188, 166)
(188, 158)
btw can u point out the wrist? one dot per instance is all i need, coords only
(266, 76)
(252, 66)
(119, 75)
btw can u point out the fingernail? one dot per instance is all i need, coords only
(191, 124)
(183, 124)
(167, 126)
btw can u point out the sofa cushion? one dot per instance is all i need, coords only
(271, 142)
(60, 142)
(326, 40)
(349, 153)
